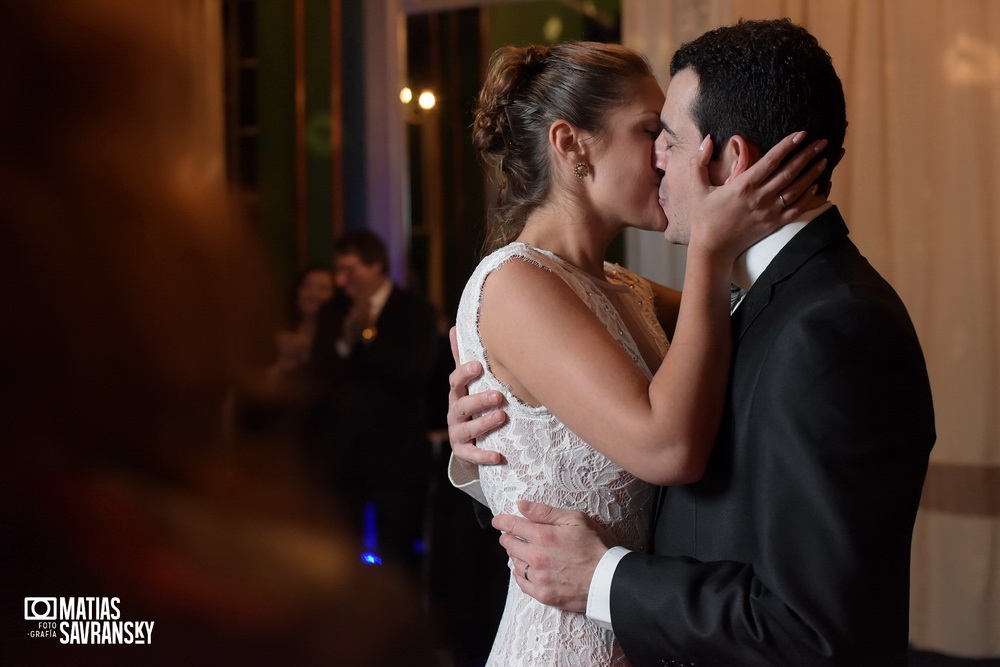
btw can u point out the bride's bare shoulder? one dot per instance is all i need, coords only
(523, 280)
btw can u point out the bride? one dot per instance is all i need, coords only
(599, 410)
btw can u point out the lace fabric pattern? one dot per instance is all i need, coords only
(546, 462)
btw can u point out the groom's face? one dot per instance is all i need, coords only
(677, 153)
(357, 279)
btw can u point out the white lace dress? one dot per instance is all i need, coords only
(546, 462)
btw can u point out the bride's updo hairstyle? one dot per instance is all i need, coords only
(526, 90)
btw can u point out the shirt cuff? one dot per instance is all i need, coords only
(599, 597)
(465, 476)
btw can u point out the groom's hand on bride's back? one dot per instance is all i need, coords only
(463, 429)
(554, 552)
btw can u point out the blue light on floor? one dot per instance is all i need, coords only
(368, 558)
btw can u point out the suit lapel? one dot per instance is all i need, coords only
(815, 236)
(818, 234)
(661, 493)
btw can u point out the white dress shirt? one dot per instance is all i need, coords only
(747, 268)
(375, 305)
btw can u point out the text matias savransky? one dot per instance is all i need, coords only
(85, 620)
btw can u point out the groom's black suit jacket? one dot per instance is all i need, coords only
(794, 548)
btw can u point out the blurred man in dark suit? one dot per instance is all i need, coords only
(375, 344)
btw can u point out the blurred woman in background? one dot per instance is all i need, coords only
(313, 288)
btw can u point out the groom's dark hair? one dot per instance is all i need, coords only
(366, 244)
(763, 80)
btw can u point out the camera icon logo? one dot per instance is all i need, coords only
(40, 609)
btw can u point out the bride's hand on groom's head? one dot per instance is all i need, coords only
(758, 196)
(463, 429)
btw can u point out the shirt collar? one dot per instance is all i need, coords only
(378, 299)
(752, 263)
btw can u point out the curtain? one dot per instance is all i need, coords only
(919, 186)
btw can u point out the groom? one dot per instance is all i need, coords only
(794, 547)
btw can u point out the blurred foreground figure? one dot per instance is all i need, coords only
(132, 305)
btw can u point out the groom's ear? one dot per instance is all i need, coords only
(736, 156)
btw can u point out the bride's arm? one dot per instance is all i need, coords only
(549, 347)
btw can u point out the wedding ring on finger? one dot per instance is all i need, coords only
(783, 204)
(525, 574)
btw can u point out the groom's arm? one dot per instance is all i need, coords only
(840, 458)
(829, 586)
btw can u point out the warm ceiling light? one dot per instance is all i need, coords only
(426, 100)
(553, 29)
(406, 95)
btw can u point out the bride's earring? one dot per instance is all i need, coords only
(581, 169)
